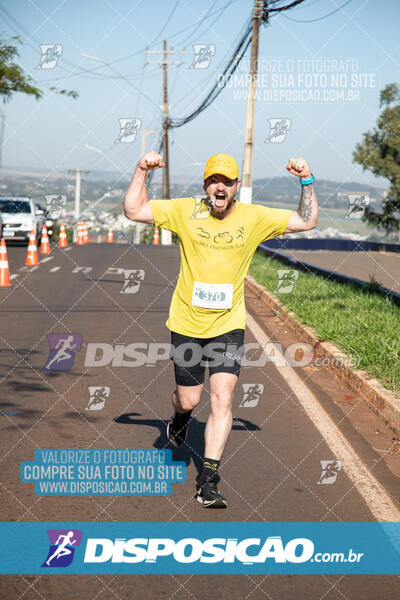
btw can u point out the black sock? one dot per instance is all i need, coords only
(210, 466)
(183, 417)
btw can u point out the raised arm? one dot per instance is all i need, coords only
(136, 202)
(306, 216)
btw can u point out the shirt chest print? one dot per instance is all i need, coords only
(224, 237)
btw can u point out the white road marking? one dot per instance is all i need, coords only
(43, 260)
(14, 275)
(67, 249)
(28, 268)
(374, 494)
(84, 270)
(54, 269)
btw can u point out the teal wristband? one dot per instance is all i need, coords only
(307, 181)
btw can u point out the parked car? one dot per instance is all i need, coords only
(20, 216)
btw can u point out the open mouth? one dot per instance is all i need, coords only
(219, 201)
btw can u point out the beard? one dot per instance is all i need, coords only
(219, 211)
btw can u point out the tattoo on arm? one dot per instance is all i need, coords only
(305, 205)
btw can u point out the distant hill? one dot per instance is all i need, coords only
(282, 190)
(330, 193)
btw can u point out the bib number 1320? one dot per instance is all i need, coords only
(212, 295)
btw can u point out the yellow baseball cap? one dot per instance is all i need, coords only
(223, 164)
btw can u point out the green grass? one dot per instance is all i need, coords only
(361, 323)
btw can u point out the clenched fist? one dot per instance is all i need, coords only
(299, 167)
(150, 161)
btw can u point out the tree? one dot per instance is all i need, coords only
(12, 77)
(379, 152)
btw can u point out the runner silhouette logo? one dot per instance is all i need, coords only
(62, 547)
(62, 351)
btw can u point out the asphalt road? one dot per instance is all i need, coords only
(271, 464)
(384, 267)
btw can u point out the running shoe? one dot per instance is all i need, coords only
(177, 428)
(208, 495)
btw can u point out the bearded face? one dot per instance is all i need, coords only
(221, 194)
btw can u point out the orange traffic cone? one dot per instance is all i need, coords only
(62, 237)
(85, 234)
(32, 257)
(79, 241)
(4, 272)
(45, 245)
(110, 236)
(156, 237)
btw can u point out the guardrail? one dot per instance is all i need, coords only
(331, 244)
(327, 273)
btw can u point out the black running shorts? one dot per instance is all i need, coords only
(222, 354)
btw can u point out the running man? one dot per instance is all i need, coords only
(63, 345)
(207, 308)
(62, 549)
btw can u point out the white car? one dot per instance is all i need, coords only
(19, 216)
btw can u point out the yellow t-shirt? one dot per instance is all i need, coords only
(214, 252)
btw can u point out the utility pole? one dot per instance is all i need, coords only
(77, 189)
(247, 170)
(165, 185)
(166, 238)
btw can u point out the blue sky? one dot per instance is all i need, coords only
(359, 42)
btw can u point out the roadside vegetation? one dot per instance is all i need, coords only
(359, 321)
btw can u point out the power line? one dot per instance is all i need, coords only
(166, 23)
(178, 32)
(234, 61)
(286, 7)
(169, 37)
(231, 67)
(17, 26)
(204, 18)
(95, 70)
(209, 76)
(318, 18)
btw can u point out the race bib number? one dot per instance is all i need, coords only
(212, 295)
